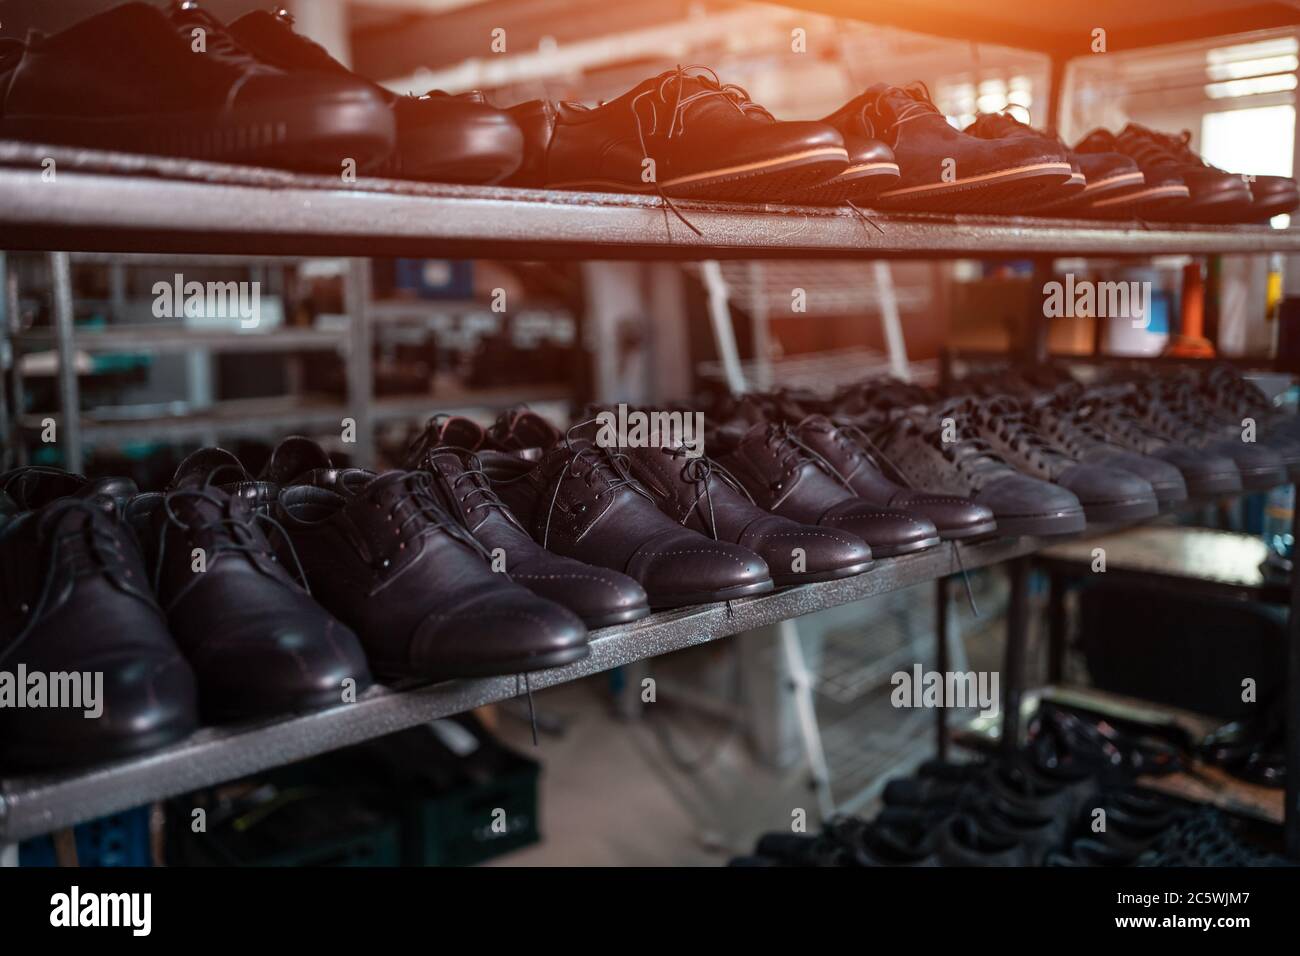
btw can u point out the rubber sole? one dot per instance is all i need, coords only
(1148, 199)
(1120, 512)
(388, 674)
(667, 602)
(1261, 479)
(617, 617)
(862, 182)
(969, 531)
(1213, 486)
(307, 135)
(89, 750)
(282, 704)
(759, 181)
(909, 547)
(1093, 191)
(972, 193)
(1042, 525)
(813, 577)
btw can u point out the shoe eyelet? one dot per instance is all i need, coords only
(580, 509)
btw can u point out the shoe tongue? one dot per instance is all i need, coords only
(1099, 140)
(209, 466)
(460, 432)
(292, 457)
(523, 428)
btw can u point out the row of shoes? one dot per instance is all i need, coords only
(1011, 812)
(1045, 453)
(1068, 798)
(257, 92)
(178, 82)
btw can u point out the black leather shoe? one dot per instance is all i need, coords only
(75, 598)
(129, 79)
(850, 451)
(580, 500)
(945, 170)
(1000, 126)
(257, 641)
(1173, 188)
(682, 133)
(785, 477)
(918, 444)
(440, 138)
(1273, 196)
(383, 556)
(599, 596)
(1215, 195)
(1054, 417)
(1107, 493)
(1108, 178)
(871, 167)
(700, 494)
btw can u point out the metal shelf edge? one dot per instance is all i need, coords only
(36, 805)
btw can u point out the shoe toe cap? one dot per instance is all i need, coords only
(504, 630)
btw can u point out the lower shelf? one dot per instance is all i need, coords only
(34, 805)
(1204, 783)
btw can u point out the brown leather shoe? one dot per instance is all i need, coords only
(853, 456)
(699, 494)
(786, 477)
(599, 596)
(581, 501)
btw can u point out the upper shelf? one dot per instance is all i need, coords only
(117, 202)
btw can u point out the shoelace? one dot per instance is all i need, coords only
(237, 534)
(187, 15)
(735, 96)
(920, 103)
(700, 470)
(1147, 146)
(792, 452)
(420, 500)
(597, 463)
(1006, 418)
(84, 549)
(322, 57)
(968, 452)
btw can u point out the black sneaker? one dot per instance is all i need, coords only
(945, 170)
(682, 133)
(1054, 416)
(129, 79)
(440, 138)
(1163, 186)
(1108, 494)
(967, 466)
(1216, 194)
(996, 126)
(1260, 468)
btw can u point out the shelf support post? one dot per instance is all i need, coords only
(941, 661)
(1013, 670)
(69, 394)
(360, 373)
(1291, 812)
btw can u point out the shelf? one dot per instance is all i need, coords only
(1218, 563)
(272, 416)
(145, 338)
(119, 202)
(35, 805)
(1205, 783)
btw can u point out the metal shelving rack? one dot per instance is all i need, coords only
(112, 203)
(305, 217)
